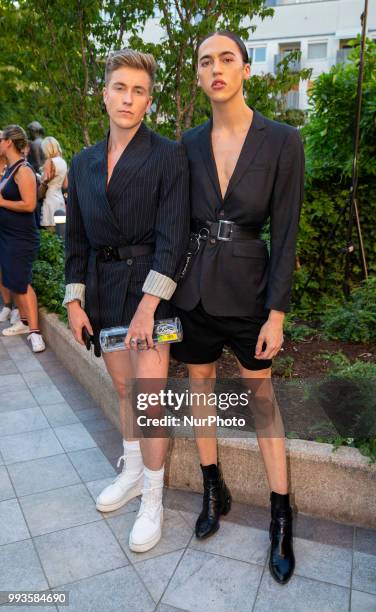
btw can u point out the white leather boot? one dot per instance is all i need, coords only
(128, 484)
(147, 529)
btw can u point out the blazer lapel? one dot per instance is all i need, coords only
(252, 143)
(98, 175)
(133, 157)
(207, 155)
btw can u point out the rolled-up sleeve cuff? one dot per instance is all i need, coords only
(74, 291)
(159, 285)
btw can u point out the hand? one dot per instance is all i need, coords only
(141, 329)
(77, 320)
(1, 199)
(272, 334)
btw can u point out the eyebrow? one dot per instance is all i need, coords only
(223, 53)
(125, 85)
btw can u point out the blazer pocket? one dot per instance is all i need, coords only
(250, 248)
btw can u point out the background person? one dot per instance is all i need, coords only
(19, 236)
(55, 178)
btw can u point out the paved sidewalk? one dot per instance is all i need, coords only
(57, 451)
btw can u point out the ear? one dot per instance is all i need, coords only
(105, 94)
(247, 71)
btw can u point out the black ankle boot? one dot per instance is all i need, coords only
(281, 560)
(217, 500)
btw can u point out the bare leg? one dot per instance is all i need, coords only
(272, 447)
(27, 304)
(124, 367)
(202, 380)
(152, 366)
(5, 294)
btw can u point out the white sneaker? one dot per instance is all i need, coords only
(17, 328)
(5, 314)
(14, 316)
(126, 485)
(147, 529)
(37, 342)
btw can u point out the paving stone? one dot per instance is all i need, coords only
(59, 509)
(156, 573)
(365, 540)
(301, 595)
(16, 400)
(323, 531)
(47, 394)
(59, 414)
(79, 552)
(43, 474)
(74, 437)
(91, 464)
(362, 602)
(30, 445)
(37, 378)
(7, 366)
(12, 524)
(364, 572)
(120, 590)
(20, 568)
(21, 421)
(6, 488)
(206, 583)
(175, 534)
(8, 382)
(323, 562)
(237, 542)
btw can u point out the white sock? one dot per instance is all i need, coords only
(132, 445)
(153, 478)
(133, 462)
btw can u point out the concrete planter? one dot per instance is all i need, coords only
(340, 485)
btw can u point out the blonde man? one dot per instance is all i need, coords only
(127, 229)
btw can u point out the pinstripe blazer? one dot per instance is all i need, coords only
(145, 202)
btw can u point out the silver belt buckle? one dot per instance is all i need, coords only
(227, 230)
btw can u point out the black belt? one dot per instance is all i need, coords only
(107, 254)
(110, 253)
(223, 230)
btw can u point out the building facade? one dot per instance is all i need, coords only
(320, 29)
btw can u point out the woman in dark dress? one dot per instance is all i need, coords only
(19, 236)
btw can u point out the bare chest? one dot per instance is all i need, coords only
(112, 160)
(226, 153)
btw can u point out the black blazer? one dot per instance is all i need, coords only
(240, 277)
(146, 202)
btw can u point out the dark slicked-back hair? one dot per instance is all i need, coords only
(237, 40)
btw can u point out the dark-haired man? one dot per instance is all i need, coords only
(245, 169)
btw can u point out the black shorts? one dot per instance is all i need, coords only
(205, 335)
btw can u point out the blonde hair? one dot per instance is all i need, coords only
(132, 59)
(51, 147)
(17, 135)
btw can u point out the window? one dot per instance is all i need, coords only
(317, 50)
(257, 54)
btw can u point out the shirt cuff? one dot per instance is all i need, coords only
(159, 285)
(74, 291)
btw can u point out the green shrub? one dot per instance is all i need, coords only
(354, 319)
(357, 384)
(48, 274)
